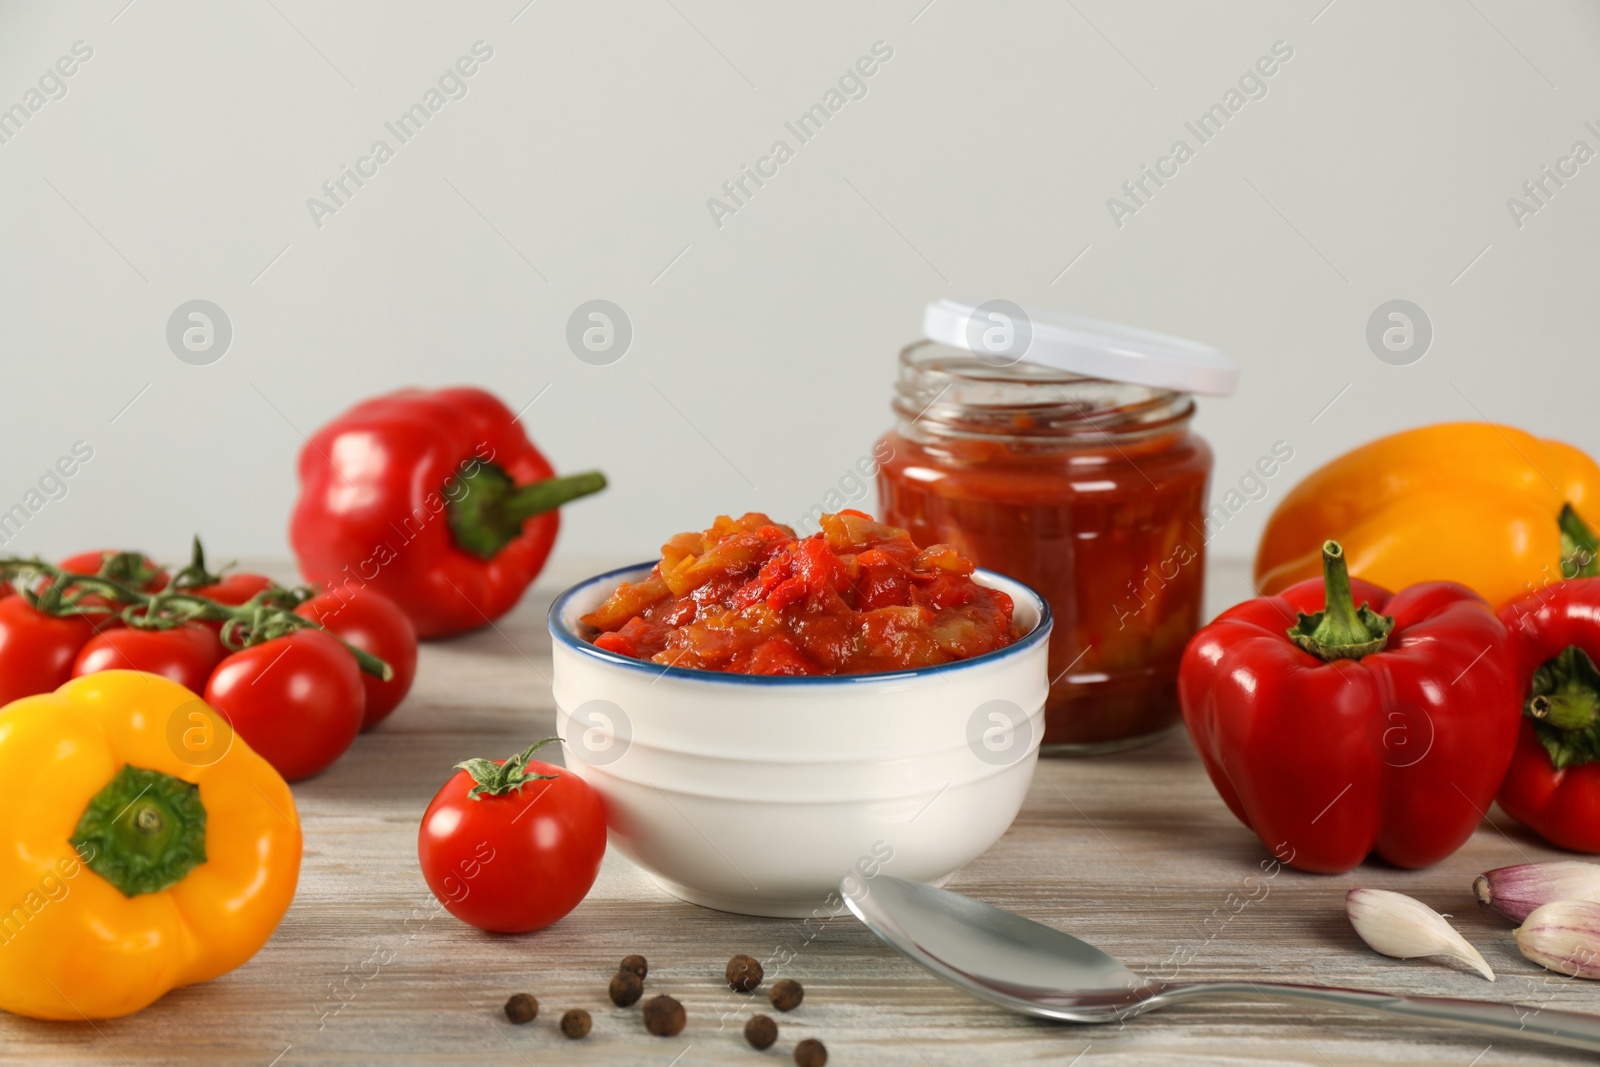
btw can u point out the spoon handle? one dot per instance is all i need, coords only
(1570, 1028)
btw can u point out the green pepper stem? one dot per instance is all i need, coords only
(1570, 710)
(144, 831)
(487, 509)
(539, 497)
(1580, 548)
(1340, 630)
(1564, 704)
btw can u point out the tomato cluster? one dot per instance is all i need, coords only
(299, 700)
(510, 845)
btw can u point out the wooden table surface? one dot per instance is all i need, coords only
(1132, 852)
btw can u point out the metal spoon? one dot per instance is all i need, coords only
(1034, 969)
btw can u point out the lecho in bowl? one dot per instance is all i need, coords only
(755, 793)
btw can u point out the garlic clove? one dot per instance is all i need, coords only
(1515, 891)
(1563, 936)
(1404, 927)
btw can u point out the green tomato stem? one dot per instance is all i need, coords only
(491, 779)
(267, 615)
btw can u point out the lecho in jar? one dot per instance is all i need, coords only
(1046, 467)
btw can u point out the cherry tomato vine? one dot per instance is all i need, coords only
(113, 592)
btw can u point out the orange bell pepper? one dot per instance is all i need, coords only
(144, 847)
(1467, 502)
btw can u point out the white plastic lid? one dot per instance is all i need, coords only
(1001, 333)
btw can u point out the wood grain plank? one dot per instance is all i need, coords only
(1133, 852)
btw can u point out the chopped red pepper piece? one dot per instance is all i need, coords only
(748, 596)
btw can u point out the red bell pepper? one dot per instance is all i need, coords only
(1344, 732)
(436, 499)
(1553, 786)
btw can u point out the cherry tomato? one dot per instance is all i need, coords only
(518, 861)
(37, 650)
(154, 580)
(296, 700)
(85, 562)
(373, 623)
(185, 653)
(234, 588)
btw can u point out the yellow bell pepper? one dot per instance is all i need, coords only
(143, 847)
(1467, 502)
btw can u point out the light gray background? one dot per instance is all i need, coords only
(578, 166)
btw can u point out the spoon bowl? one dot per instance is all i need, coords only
(1038, 970)
(1014, 962)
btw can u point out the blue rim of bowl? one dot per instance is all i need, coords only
(561, 633)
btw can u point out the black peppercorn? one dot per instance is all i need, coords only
(744, 973)
(810, 1053)
(576, 1023)
(786, 994)
(663, 1016)
(522, 1008)
(761, 1031)
(636, 964)
(626, 989)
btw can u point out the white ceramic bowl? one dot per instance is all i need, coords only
(757, 794)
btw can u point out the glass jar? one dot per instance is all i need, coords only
(1091, 491)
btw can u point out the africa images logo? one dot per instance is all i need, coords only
(51, 85)
(852, 85)
(452, 85)
(1252, 85)
(1538, 191)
